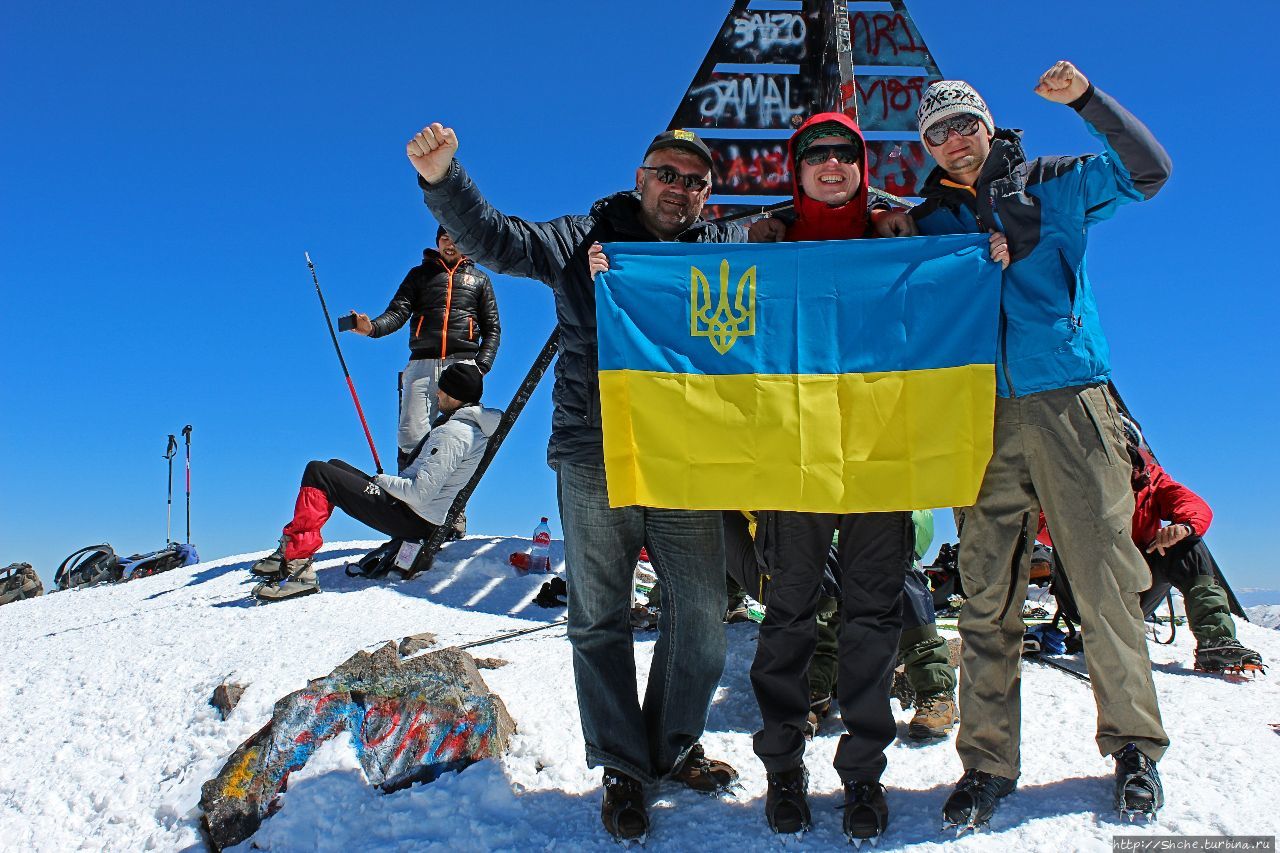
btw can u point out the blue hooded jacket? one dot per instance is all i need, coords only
(1050, 336)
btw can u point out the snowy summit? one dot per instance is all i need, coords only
(108, 732)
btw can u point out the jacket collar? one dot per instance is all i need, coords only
(621, 211)
(1005, 156)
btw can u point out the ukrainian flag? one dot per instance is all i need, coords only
(839, 376)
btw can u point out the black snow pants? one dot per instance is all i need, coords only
(875, 554)
(355, 493)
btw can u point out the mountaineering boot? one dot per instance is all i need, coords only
(1219, 653)
(935, 716)
(866, 814)
(786, 806)
(819, 708)
(300, 581)
(974, 799)
(702, 774)
(270, 566)
(1138, 788)
(622, 811)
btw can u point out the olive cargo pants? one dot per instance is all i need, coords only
(1063, 451)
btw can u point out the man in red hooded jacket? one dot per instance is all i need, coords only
(828, 159)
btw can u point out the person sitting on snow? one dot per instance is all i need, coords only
(409, 506)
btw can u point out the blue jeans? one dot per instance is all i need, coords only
(601, 547)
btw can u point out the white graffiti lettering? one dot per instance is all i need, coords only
(766, 29)
(741, 96)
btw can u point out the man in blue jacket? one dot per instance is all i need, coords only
(636, 742)
(1059, 443)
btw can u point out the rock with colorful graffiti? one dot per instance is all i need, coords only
(410, 721)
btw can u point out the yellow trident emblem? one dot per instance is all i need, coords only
(724, 327)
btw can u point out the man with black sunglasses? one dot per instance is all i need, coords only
(636, 742)
(829, 194)
(1059, 445)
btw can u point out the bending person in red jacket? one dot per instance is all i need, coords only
(1177, 556)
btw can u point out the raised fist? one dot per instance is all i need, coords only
(431, 150)
(1062, 83)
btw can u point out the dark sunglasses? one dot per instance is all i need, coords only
(843, 152)
(965, 125)
(668, 175)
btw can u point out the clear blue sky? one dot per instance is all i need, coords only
(165, 165)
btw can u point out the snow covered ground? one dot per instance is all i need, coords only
(107, 734)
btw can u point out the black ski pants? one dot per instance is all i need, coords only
(875, 553)
(355, 493)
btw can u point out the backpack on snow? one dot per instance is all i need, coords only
(88, 567)
(381, 561)
(169, 557)
(19, 581)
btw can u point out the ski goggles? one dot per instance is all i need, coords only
(668, 175)
(964, 124)
(844, 152)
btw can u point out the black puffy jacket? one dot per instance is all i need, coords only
(451, 311)
(555, 253)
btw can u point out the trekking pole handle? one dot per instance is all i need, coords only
(171, 450)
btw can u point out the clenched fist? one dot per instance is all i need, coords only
(1062, 83)
(432, 150)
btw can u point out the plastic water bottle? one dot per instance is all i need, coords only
(540, 555)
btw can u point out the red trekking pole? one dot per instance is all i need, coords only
(350, 385)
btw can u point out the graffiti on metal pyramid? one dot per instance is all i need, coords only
(770, 69)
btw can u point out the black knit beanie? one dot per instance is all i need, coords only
(462, 381)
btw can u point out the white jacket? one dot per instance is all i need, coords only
(445, 463)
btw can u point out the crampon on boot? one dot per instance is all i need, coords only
(974, 800)
(1226, 655)
(786, 806)
(1138, 788)
(623, 812)
(301, 580)
(702, 774)
(271, 566)
(866, 814)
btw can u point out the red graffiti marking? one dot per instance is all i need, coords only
(881, 27)
(415, 736)
(898, 167)
(380, 722)
(894, 94)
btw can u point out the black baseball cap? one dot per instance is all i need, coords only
(684, 140)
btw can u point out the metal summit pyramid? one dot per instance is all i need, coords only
(770, 68)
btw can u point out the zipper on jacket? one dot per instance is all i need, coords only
(1004, 318)
(448, 302)
(1004, 350)
(418, 331)
(471, 328)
